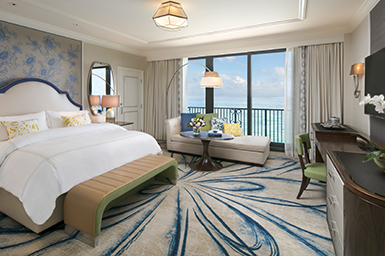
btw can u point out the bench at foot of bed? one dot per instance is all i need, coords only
(86, 202)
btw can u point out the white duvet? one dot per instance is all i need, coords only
(39, 167)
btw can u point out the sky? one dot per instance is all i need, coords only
(268, 79)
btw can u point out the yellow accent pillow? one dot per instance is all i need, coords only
(19, 128)
(233, 129)
(75, 120)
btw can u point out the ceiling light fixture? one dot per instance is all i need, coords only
(170, 16)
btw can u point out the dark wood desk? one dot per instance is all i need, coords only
(355, 214)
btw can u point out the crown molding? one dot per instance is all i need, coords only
(259, 43)
(302, 6)
(302, 9)
(226, 31)
(360, 15)
(11, 18)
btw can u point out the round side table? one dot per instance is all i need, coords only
(206, 163)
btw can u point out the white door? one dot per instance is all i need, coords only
(130, 89)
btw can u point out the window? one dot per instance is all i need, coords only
(233, 71)
(268, 95)
(252, 94)
(196, 94)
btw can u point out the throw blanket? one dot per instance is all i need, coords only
(39, 167)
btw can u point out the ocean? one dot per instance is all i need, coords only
(258, 102)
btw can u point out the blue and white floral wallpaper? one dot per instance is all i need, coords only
(26, 52)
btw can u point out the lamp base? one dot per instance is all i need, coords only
(110, 113)
(110, 120)
(110, 116)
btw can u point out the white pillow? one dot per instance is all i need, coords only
(54, 118)
(42, 122)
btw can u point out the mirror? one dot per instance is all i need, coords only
(100, 82)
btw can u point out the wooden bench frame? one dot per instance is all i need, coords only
(86, 202)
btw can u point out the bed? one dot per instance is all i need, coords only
(39, 167)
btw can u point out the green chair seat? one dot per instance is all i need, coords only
(310, 170)
(316, 171)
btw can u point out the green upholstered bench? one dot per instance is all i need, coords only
(86, 202)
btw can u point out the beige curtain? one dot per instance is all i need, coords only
(158, 76)
(323, 84)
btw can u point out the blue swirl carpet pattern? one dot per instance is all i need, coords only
(239, 210)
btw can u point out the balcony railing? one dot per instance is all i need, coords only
(265, 122)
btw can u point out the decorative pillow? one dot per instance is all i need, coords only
(19, 128)
(184, 119)
(217, 123)
(207, 119)
(75, 120)
(39, 115)
(54, 118)
(233, 129)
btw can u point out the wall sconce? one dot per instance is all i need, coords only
(356, 71)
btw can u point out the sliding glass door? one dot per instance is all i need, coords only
(268, 95)
(252, 94)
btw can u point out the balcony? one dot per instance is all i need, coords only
(265, 122)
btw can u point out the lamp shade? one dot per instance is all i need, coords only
(211, 80)
(170, 16)
(110, 101)
(94, 100)
(357, 69)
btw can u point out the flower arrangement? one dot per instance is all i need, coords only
(196, 122)
(376, 100)
(379, 103)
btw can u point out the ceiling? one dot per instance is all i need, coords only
(128, 24)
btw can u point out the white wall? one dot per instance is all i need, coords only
(357, 47)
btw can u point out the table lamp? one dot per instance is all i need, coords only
(110, 101)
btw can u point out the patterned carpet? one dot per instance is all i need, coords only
(239, 210)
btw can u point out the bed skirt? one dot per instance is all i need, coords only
(12, 207)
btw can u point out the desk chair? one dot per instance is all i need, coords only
(309, 170)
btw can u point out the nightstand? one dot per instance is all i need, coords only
(125, 125)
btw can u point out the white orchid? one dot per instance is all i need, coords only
(365, 100)
(377, 100)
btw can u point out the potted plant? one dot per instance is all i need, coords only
(377, 155)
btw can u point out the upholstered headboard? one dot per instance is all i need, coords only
(30, 95)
